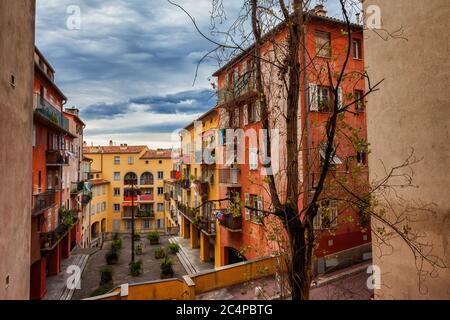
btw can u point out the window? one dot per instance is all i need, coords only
(103, 189)
(160, 207)
(160, 161)
(236, 118)
(361, 158)
(128, 225)
(253, 201)
(116, 176)
(326, 215)
(160, 175)
(103, 206)
(323, 44)
(116, 192)
(116, 207)
(356, 44)
(323, 99)
(130, 160)
(253, 155)
(145, 224)
(160, 191)
(334, 160)
(255, 112)
(245, 115)
(359, 101)
(98, 208)
(116, 159)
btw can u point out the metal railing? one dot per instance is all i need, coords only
(52, 113)
(57, 157)
(232, 223)
(43, 201)
(231, 176)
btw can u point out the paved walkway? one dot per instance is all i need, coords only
(151, 267)
(57, 288)
(191, 257)
(346, 284)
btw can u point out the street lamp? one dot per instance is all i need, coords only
(131, 180)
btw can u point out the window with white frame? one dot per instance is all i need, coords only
(116, 192)
(253, 158)
(116, 207)
(116, 176)
(160, 175)
(359, 100)
(116, 160)
(323, 44)
(160, 190)
(356, 46)
(160, 207)
(130, 160)
(323, 98)
(327, 214)
(103, 206)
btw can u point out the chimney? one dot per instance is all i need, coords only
(320, 10)
(110, 143)
(84, 143)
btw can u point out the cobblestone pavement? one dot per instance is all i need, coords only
(151, 266)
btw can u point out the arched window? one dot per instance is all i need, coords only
(130, 178)
(146, 178)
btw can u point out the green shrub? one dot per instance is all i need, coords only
(116, 244)
(102, 290)
(112, 257)
(106, 276)
(136, 237)
(160, 253)
(166, 267)
(135, 268)
(153, 237)
(173, 247)
(116, 236)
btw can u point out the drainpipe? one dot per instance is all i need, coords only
(307, 131)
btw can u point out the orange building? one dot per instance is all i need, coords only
(55, 225)
(243, 237)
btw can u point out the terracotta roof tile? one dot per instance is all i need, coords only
(157, 154)
(114, 149)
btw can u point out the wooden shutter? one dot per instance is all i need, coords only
(339, 97)
(313, 105)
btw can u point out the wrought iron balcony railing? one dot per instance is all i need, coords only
(46, 109)
(43, 201)
(230, 222)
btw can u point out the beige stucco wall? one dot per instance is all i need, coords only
(412, 110)
(16, 57)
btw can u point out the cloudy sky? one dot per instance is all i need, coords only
(130, 66)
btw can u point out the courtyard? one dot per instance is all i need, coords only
(151, 269)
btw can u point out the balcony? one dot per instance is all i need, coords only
(200, 187)
(130, 198)
(207, 223)
(145, 197)
(52, 114)
(175, 175)
(230, 177)
(139, 214)
(230, 222)
(242, 90)
(43, 201)
(76, 187)
(49, 240)
(57, 158)
(86, 198)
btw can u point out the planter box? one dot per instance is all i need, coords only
(166, 276)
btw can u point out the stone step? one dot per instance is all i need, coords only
(181, 254)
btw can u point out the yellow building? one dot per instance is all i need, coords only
(100, 191)
(149, 168)
(199, 185)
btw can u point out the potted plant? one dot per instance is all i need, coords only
(116, 244)
(173, 247)
(135, 268)
(160, 253)
(166, 268)
(106, 276)
(153, 237)
(139, 249)
(136, 237)
(112, 257)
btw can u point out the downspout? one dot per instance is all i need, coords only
(307, 105)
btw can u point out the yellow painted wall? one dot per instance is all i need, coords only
(105, 163)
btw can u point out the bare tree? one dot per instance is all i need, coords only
(272, 33)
